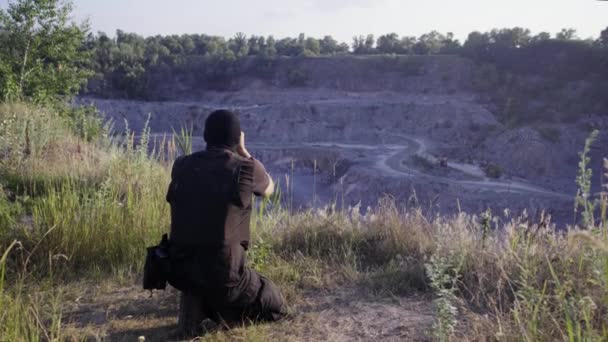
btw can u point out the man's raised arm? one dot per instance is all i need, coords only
(263, 185)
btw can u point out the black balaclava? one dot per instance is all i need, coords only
(222, 129)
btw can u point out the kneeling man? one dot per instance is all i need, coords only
(211, 196)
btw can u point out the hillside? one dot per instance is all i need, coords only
(75, 216)
(376, 125)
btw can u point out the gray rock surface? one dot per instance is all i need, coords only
(366, 144)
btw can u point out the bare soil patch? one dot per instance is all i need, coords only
(343, 314)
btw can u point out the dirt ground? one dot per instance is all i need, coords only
(345, 314)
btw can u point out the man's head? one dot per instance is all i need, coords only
(223, 129)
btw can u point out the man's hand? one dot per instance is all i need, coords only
(270, 188)
(241, 150)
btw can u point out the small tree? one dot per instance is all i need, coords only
(41, 51)
(604, 37)
(583, 180)
(388, 43)
(566, 34)
(541, 36)
(270, 48)
(364, 45)
(239, 45)
(328, 45)
(369, 43)
(312, 46)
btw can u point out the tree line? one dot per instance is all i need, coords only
(155, 48)
(44, 54)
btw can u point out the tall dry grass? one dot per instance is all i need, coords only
(72, 209)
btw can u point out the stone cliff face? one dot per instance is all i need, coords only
(378, 125)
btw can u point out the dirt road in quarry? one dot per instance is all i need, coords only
(390, 162)
(349, 313)
(368, 145)
(418, 147)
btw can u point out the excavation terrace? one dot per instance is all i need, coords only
(354, 129)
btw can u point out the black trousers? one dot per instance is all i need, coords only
(254, 297)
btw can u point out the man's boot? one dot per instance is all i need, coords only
(191, 315)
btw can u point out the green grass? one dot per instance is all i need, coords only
(72, 210)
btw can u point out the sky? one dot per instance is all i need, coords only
(342, 19)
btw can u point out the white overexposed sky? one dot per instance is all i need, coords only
(341, 18)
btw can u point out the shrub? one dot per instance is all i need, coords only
(422, 163)
(113, 192)
(10, 213)
(493, 170)
(296, 78)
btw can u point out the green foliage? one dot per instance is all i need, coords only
(184, 139)
(27, 131)
(9, 88)
(10, 213)
(422, 163)
(492, 170)
(444, 272)
(364, 45)
(118, 190)
(433, 43)
(312, 47)
(239, 45)
(130, 65)
(604, 198)
(555, 296)
(566, 34)
(133, 66)
(388, 43)
(41, 51)
(517, 72)
(259, 256)
(583, 180)
(329, 46)
(28, 315)
(296, 77)
(85, 121)
(603, 40)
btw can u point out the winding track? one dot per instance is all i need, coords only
(389, 159)
(389, 162)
